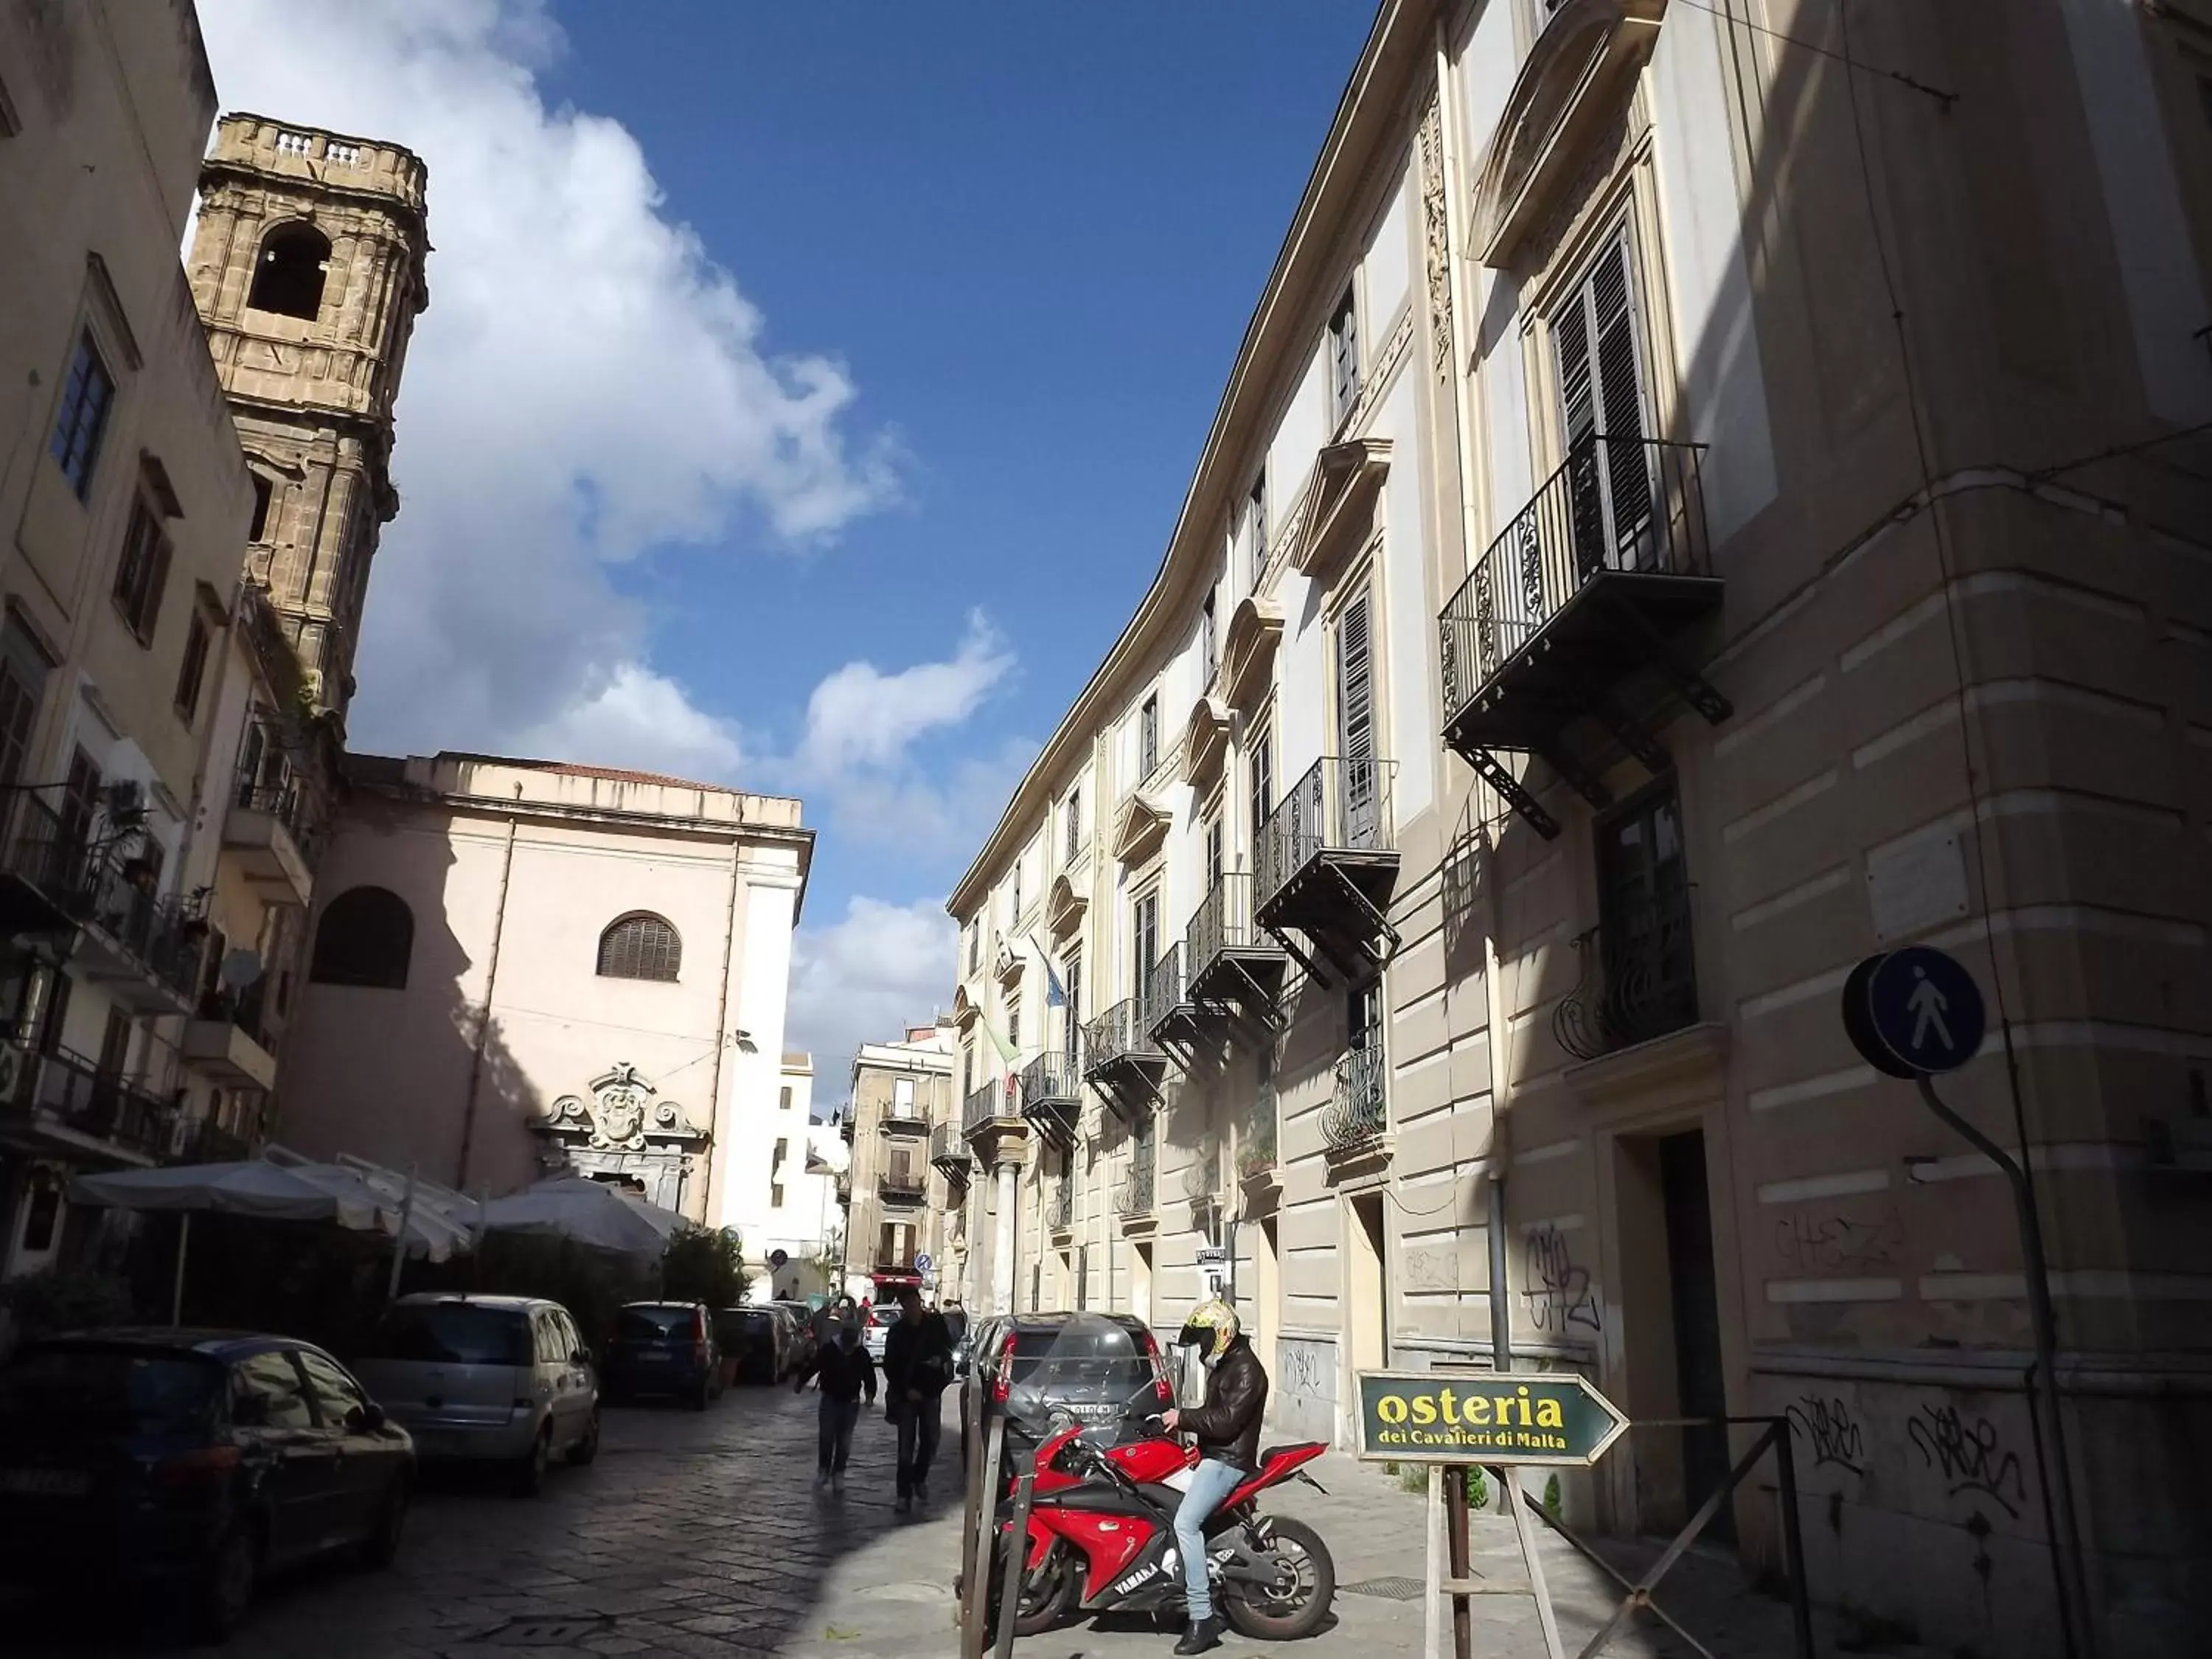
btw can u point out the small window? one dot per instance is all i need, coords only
(194, 669)
(1075, 822)
(783, 1103)
(264, 493)
(1208, 653)
(289, 281)
(1014, 911)
(1263, 778)
(1256, 518)
(1148, 736)
(641, 946)
(1344, 355)
(337, 1396)
(1014, 1027)
(775, 1195)
(365, 936)
(87, 397)
(902, 1097)
(142, 572)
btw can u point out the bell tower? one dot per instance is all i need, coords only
(307, 268)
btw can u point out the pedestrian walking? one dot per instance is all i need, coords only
(917, 1371)
(1227, 1430)
(847, 1372)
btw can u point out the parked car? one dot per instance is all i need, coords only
(755, 1344)
(192, 1461)
(804, 1340)
(875, 1329)
(505, 1379)
(1109, 1372)
(665, 1349)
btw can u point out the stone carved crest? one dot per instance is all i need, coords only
(621, 1114)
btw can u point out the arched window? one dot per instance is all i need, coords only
(365, 936)
(289, 279)
(640, 946)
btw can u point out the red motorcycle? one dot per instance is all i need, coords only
(1101, 1538)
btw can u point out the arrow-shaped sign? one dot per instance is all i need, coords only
(1458, 1416)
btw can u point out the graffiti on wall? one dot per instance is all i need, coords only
(1435, 1268)
(1307, 1368)
(1969, 1456)
(1811, 1239)
(1557, 1291)
(1831, 1432)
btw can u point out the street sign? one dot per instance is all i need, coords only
(1465, 1417)
(1212, 1255)
(924, 1262)
(1913, 1012)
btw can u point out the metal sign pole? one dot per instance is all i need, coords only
(1432, 1625)
(1016, 1565)
(1461, 1562)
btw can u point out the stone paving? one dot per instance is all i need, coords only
(699, 1535)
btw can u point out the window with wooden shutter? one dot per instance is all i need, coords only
(641, 946)
(1358, 782)
(1146, 938)
(142, 572)
(1344, 355)
(1603, 418)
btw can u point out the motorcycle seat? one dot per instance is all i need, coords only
(1269, 1454)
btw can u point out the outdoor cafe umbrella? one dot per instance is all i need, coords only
(274, 1192)
(584, 1211)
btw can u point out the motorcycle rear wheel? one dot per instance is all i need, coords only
(1295, 1608)
(1048, 1592)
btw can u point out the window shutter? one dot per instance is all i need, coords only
(1620, 398)
(1355, 684)
(1572, 339)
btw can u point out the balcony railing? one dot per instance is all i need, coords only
(994, 1100)
(1340, 806)
(94, 1103)
(904, 1182)
(1164, 994)
(1255, 1136)
(1135, 1196)
(1358, 1113)
(1201, 1176)
(1115, 1037)
(1059, 1203)
(40, 853)
(1052, 1095)
(1638, 978)
(159, 939)
(949, 1152)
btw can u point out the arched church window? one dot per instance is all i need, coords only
(641, 946)
(365, 936)
(289, 279)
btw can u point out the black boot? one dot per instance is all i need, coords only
(1203, 1635)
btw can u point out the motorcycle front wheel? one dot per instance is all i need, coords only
(1296, 1602)
(1048, 1592)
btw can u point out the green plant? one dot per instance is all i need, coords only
(705, 1265)
(1551, 1497)
(1478, 1488)
(65, 1299)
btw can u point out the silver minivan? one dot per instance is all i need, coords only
(502, 1378)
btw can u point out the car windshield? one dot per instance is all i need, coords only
(116, 1390)
(451, 1333)
(1085, 1359)
(654, 1324)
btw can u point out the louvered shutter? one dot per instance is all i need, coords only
(1620, 405)
(1355, 707)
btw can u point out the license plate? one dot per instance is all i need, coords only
(1098, 1413)
(46, 1483)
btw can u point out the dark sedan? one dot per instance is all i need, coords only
(664, 1348)
(191, 1462)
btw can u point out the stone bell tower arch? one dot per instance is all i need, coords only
(306, 265)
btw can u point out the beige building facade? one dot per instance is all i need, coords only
(525, 967)
(1698, 502)
(907, 1156)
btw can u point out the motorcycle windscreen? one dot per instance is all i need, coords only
(1086, 1368)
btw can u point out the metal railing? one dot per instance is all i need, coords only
(1339, 805)
(1201, 1176)
(1638, 978)
(247, 1010)
(983, 1104)
(1165, 990)
(161, 934)
(1051, 1076)
(948, 1152)
(1255, 1136)
(1223, 922)
(1060, 1203)
(1359, 1112)
(38, 849)
(1113, 1036)
(1135, 1195)
(91, 879)
(96, 1103)
(904, 1180)
(1622, 505)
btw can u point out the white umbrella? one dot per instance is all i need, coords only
(587, 1212)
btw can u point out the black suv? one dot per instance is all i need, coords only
(1109, 1374)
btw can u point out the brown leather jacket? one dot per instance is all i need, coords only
(1227, 1425)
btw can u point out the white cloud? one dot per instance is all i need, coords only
(586, 385)
(865, 978)
(861, 717)
(643, 720)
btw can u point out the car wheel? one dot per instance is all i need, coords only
(528, 1477)
(381, 1548)
(221, 1601)
(587, 1448)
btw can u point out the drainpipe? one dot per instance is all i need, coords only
(491, 985)
(722, 1036)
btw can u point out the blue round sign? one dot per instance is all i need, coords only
(923, 1263)
(1924, 1008)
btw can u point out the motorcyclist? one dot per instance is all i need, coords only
(1227, 1430)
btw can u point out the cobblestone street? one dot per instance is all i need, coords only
(700, 1534)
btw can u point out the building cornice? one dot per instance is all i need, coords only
(1398, 48)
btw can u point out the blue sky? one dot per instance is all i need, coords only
(807, 392)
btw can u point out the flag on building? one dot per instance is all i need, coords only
(1056, 994)
(1007, 1052)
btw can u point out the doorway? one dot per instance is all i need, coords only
(1141, 1281)
(1700, 1381)
(1367, 1282)
(1266, 1308)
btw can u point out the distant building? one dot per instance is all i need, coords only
(802, 1221)
(521, 968)
(908, 1167)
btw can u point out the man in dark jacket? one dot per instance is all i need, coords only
(846, 1372)
(1227, 1430)
(917, 1370)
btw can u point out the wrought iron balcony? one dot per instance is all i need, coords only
(142, 950)
(1325, 862)
(1358, 1112)
(1135, 1198)
(1052, 1096)
(1583, 587)
(1165, 1014)
(993, 1103)
(1638, 978)
(907, 1116)
(1120, 1060)
(42, 867)
(1060, 1203)
(1234, 969)
(903, 1183)
(1255, 1135)
(66, 1091)
(949, 1152)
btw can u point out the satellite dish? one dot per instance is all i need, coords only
(240, 967)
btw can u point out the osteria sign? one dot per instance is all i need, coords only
(1479, 1417)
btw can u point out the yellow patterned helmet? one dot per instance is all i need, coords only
(1212, 1325)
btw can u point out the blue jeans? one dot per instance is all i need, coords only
(835, 1441)
(1211, 1482)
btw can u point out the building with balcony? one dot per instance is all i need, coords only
(125, 502)
(909, 1171)
(1696, 503)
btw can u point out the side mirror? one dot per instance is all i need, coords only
(366, 1419)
